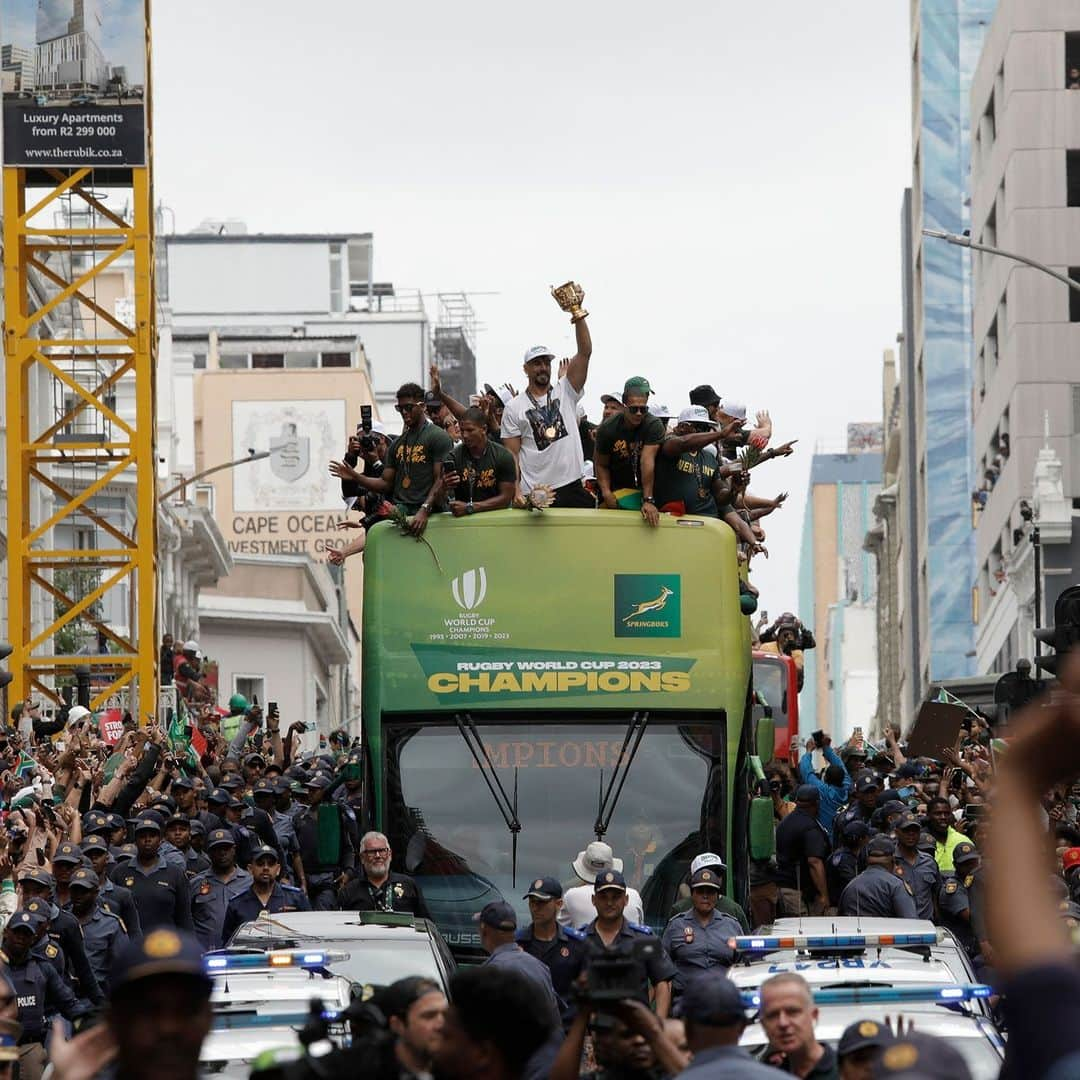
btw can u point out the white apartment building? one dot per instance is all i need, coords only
(1025, 184)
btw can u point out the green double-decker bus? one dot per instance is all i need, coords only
(536, 681)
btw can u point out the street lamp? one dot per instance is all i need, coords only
(966, 241)
(250, 456)
(1025, 508)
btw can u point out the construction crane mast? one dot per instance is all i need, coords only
(80, 346)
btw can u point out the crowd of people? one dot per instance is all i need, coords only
(98, 926)
(537, 448)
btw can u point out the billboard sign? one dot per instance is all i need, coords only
(74, 82)
(648, 615)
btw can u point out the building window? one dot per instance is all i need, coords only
(1074, 295)
(253, 687)
(1072, 177)
(267, 360)
(1076, 408)
(199, 361)
(1072, 61)
(233, 361)
(301, 359)
(336, 359)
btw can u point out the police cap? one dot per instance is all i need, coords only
(545, 888)
(38, 876)
(921, 1056)
(705, 878)
(84, 879)
(712, 999)
(881, 845)
(265, 851)
(24, 919)
(964, 852)
(909, 820)
(218, 837)
(94, 843)
(499, 915)
(67, 852)
(609, 879)
(862, 1035)
(146, 823)
(163, 951)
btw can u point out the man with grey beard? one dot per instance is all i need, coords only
(378, 888)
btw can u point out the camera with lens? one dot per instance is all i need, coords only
(367, 435)
(616, 974)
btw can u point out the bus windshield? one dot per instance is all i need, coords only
(444, 817)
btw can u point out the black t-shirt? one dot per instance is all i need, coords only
(480, 477)
(623, 445)
(799, 837)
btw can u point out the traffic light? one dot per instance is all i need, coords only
(1016, 688)
(6, 649)
(1065, 633)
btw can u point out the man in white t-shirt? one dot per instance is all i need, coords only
(578, 909)
(540, 426)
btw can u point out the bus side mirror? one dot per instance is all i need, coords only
(765, 737)
(762, 833)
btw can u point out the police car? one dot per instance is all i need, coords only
(949, 1012)
(366, 947)
(261, 1000)
(842, 952)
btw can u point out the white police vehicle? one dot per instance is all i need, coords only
(831, 952)
(369, 947)
(950, 1012)
(262, 999)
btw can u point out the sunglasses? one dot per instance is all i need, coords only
(637, 410)
(408, 406)
(376, 852)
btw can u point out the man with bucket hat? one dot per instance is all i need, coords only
(577, 909)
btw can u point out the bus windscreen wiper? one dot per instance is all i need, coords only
(609, 799)
(467, 726)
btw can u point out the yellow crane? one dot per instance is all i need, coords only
(80, 375)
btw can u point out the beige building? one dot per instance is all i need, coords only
(1025, 176)
(287, 504)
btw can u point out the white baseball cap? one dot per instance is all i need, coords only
(696, 414)
(661, 411)
(77, 713)
(538, 351)
(191, 646)
(733, 408)
(706, 858)
(378, 428)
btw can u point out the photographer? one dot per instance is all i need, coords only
(788, 637)
(367, 446)
(414, 461)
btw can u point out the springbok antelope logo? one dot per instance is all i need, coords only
(650, 605)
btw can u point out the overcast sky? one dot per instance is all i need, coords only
(723, 178)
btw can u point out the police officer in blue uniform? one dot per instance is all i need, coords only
(842, 866)
(610, 931)
(160, 891)
(561, 948)
(213, 889)
(39, 991)
(265, 894)
(877, 891)
(62, 931)
(178, 833)
(265, 794)
(917, 868)
(498, 928)
(103, 932)
(112, 897)
(862, 808)
(697, 940)
(960, 899)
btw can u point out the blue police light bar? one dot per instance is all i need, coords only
(888, 995)
(308, 959)
(752, 943)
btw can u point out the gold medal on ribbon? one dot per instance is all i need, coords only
(406, 482)
(549, 432)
